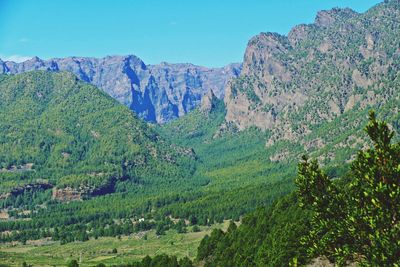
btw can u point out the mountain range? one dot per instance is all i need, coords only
(343, 61)
(225, 142)
(320, 78)
(157, 93)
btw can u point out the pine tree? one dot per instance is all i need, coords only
(358, 220)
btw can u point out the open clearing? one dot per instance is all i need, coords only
(129, 248)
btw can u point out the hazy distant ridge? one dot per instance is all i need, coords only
(157, 93)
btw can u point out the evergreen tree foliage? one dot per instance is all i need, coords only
(357, 220)
(266, 237)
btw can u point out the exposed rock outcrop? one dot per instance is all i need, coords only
(39, 185)
(326, 18)
(67, 194)
(318, 72)
(209, 102)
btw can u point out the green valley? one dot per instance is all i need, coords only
(295, 163)
(128, 248)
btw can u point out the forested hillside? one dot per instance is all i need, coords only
(64, 133)
(349, 220)
(266, 237)
(65, 140)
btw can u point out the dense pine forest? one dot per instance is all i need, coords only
(350, 219)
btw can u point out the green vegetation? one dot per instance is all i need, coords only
(130, 249)
(353, 218)
(235, 167)
(62, 133)
(266, 237)
(226, 175)
(357, 221)
(68, 133)
(233, 174)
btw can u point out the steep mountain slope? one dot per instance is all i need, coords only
(344, 61)
(157, 93)
(57, 131)
(241, 149)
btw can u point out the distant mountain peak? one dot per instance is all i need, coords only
(34, 59)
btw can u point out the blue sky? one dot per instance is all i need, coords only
(204, 32)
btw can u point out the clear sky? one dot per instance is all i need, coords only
(204, 32)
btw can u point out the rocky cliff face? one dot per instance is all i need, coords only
(157, 93)
(208, 102)
(343, 61)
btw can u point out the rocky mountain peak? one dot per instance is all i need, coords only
(34, 59)
(326, 18)
(208, 102)
(298, 34)
(134, 60)
(269, 41)
(263, 56)
(33, 63)
(317, 73)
